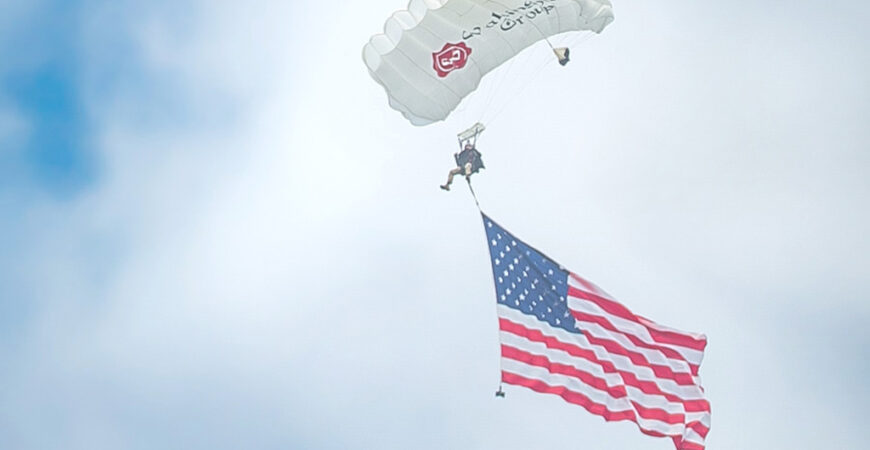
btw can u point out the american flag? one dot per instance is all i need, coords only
(562, 335)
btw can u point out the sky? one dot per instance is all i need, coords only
(215, 233)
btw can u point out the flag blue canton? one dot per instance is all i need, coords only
(527, 280)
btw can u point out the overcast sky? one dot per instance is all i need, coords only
(216, 234)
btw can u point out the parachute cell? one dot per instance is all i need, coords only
(434, 53)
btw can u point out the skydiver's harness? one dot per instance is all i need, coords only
(470, 155)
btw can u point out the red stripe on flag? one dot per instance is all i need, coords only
(686, 445)
(647, 387)
(658, 414)
(612, 362)
(588, 285)
(616, 392)
(627, 378)
(577, 399)
(569, 396)
(611, 307)
(699, 428)
(606, 324)
(638, 359)
(562, 369)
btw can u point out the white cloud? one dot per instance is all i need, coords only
(278, 266)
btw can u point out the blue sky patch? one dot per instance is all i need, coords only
(52, 153)
(40, 87)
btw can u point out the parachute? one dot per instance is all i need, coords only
(433, 54)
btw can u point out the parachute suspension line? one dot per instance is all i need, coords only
(467, 106)
(560, 52)
(517, 80)
(579, 39)
(530, 56)
(575, 40)
(475, 106)
(526, 85)
(507, 76)
(501, 75)
(550, 44)
(514, 77)
(503, 79)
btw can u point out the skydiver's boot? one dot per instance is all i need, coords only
(450, 175)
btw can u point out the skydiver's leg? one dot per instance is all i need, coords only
(450, 176)
(467, 170)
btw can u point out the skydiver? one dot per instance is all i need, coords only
(468, 162)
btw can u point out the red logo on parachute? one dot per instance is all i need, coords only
(450, 58)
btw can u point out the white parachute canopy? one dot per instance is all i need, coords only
(434, 53)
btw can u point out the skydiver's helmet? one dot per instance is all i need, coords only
(468, 146)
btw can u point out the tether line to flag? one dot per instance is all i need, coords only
(473, 195)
